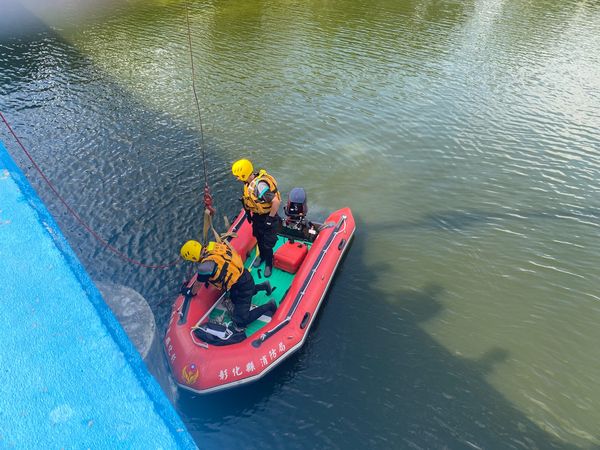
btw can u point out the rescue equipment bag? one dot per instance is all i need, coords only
(219, 334)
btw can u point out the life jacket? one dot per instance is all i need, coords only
(250, 198)
(229, 265)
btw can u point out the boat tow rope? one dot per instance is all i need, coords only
(84, 224)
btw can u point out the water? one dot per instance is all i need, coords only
(464, 135)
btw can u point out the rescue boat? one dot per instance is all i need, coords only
(306, 258)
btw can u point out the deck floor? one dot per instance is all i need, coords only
(280, 282)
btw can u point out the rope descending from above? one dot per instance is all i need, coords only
(209, 209)
(189, 30)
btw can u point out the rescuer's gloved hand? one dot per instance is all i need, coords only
(186, 291)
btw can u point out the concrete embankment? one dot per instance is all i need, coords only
(70, 376)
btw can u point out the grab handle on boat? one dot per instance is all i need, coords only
(305, 320)
(263, 337)
(184, 309)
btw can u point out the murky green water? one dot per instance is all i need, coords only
(464, 135)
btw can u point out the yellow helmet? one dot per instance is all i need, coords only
(191, 250)
(242, 169)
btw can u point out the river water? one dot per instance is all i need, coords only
(465, 137)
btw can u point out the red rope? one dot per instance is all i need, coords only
(74, 214)
(208, 200)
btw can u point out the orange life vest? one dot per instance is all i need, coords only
(229, 265)
(250, 198)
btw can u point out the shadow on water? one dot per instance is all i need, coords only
(369, 376)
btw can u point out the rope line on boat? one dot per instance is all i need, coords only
(76, 216)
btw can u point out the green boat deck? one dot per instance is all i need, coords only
(280, 282)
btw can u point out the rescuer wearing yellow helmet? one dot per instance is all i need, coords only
(261, 200)
(221, 266)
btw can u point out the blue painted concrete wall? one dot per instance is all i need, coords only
(69, 376)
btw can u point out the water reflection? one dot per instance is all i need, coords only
(464, 219)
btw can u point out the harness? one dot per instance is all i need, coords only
(252, 201)
(229, 265)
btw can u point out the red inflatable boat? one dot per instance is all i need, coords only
(306, 258)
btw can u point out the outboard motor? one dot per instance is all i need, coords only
(296, 208)
(295, 212)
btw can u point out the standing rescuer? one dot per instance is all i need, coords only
(221, 266)
(261, 200)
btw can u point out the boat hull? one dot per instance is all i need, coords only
(204, 368)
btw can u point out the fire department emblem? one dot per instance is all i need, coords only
(190, 373)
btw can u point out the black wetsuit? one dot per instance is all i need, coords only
(241, 294)
(266, 236)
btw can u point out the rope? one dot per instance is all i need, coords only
(209, 210)
(189, 30)
(219, 237)
(76, 216)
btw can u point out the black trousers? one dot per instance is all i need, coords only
(241, 296)
(266, 237)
